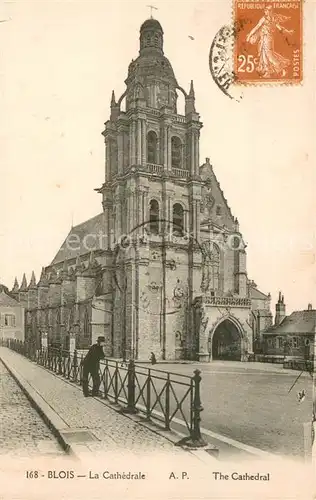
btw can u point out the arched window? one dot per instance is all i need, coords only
(152, 147)
(210, 267)
(214, 271)
(154, 217)
(178, 219)
(86, 324)
(176, 152)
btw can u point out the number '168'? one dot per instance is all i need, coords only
(32, 474)
(247, 64)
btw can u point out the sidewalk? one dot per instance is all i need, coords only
(84, 425)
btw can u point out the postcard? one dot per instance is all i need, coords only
(157, 283)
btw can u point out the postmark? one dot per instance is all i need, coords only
(268, 41)
(221, 60)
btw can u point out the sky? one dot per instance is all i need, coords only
(60, 60)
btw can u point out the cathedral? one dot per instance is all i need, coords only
(162, 268)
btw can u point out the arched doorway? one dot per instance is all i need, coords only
(226, 342)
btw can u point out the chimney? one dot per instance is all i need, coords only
(309, 307)
(279, 310)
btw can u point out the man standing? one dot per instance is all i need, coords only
(91, 366)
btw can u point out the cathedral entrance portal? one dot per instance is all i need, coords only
(226, 342)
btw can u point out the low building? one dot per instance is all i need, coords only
(290, 336)
(11, 316)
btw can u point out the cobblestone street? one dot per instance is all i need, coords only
(22, 431)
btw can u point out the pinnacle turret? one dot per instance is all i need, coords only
(192, 93)
(23, 287)
(16, 285)
(32, 283)
(43, 278)
(190, 100)
(113, 101)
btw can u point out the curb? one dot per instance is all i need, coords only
(209, 451)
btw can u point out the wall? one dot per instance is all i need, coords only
(271, 345)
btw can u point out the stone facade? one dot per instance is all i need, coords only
(163, 268)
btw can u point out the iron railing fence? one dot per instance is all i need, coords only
(164, 397)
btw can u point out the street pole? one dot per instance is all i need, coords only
(124, 315)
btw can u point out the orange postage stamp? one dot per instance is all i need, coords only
(268, 41)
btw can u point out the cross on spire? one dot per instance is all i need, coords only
(151, 10)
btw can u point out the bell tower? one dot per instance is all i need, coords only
(152, 194)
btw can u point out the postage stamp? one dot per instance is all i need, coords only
(268, 41)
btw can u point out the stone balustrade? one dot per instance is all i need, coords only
(228, 301)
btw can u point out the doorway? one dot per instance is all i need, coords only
(226, 342)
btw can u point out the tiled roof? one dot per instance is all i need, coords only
(7, 301)
(74, 244)
(299, 322)
(256, 294)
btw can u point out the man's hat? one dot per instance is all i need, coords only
(101, 339)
